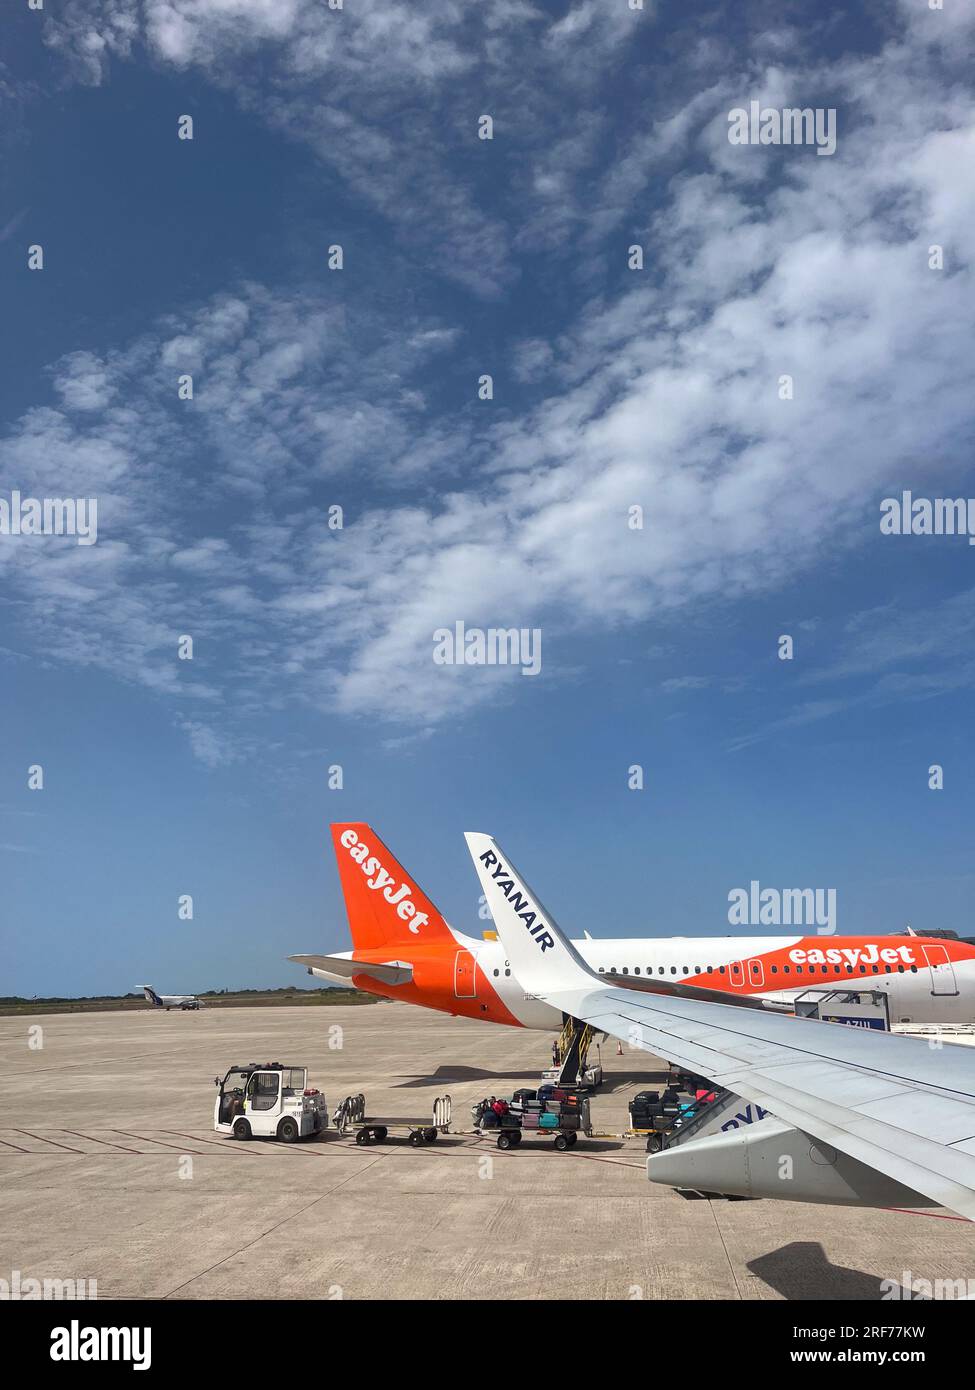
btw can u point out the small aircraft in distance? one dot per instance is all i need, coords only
(171, 1001)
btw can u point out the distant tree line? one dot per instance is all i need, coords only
(337, 991)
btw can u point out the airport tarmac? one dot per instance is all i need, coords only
(111, 1171)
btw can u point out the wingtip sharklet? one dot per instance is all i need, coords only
(541, 956)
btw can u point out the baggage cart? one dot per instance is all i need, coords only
(374, 1129)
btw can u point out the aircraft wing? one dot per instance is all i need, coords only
(898, 1105)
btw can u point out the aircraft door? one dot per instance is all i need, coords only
(465, 982)
(736, 974)
(756, 974)
(941, 970)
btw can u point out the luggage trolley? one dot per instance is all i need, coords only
(373, 1129)
(661, 1117)
(525, 1119)
(352, 1108)
(509, 1137)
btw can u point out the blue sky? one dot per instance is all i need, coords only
(358, 387)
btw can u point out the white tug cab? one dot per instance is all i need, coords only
(267, 1100)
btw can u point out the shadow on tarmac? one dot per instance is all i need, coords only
(802, 1271)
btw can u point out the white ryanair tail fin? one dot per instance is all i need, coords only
(541, 957)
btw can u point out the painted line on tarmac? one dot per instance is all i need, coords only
(40, 1140)
(93, 1139)
(145, 1139)
(233, 1148)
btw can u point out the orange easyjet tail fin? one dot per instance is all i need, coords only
(386, 908)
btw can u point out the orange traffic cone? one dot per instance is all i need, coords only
(619, 1048)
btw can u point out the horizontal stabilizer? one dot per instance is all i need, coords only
(391, 972)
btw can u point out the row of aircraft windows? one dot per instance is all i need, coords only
(786, 969)
(721, 969)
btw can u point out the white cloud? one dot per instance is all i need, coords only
(211, 555)
(83, 382)
(213, 747)
(677, 683)
(385, 94)
(663, 391)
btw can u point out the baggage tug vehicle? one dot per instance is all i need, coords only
(268, 1100)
